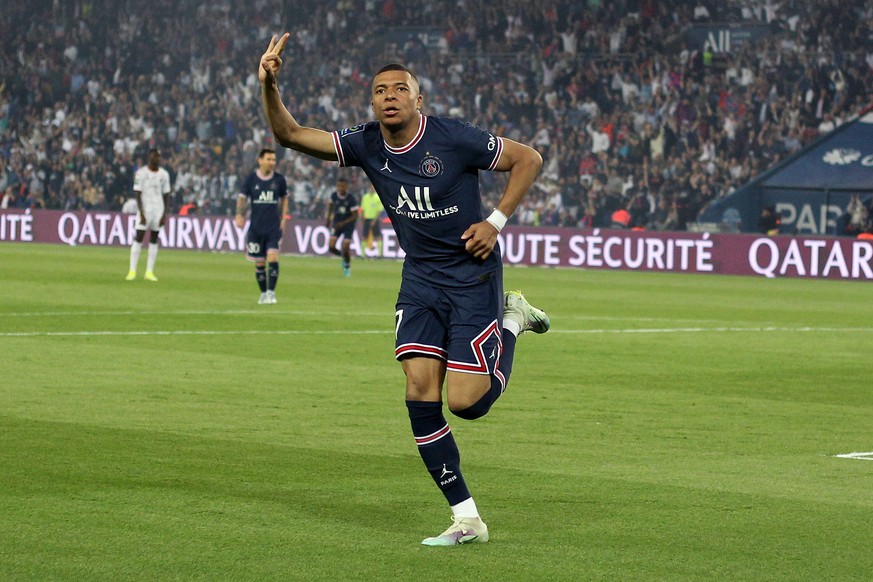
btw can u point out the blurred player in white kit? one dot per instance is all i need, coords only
(151, 186)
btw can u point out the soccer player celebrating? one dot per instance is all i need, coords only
(267, 191)
(151, 186)
(453, 325)
(342, 213)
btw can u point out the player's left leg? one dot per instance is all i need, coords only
(480, 373)
(272, 257)
(152, 255)
(368, 233)
(272, 274)
(347, 257)
(377, 234)
(480, 353)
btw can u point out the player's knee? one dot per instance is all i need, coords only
(469, 396)
(422, 385)
(424, 378)
(420, 389)
(458, 401)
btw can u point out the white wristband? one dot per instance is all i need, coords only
(497, 219)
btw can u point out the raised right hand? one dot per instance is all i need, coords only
(271, 61)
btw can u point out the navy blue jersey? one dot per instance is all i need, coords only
(343, 206)
(430, 189)
(266, 199)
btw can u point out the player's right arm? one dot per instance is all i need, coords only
(286, 130)
(241, 203)
(139, 208)
(137, 192)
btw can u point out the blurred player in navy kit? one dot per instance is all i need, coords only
(342, 213)
(267, 192)
(453, 323)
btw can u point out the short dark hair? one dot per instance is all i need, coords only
(399, 67)
(265, 151)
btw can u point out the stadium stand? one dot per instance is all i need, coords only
(629, 110)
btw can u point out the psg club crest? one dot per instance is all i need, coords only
(430, 166)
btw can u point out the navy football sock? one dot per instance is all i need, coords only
(437, 448)
(499, 381)
(274, 276)
(506, 356)
(261, 276)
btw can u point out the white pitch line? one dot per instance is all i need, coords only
(271, 312)
(389, 331)
(268, 311)
(717, 329)
(194, 332)
(859, 456)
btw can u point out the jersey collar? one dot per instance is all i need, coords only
(415, 140)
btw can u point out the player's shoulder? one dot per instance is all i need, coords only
(360, 130)
(450, 123)
(457, 130)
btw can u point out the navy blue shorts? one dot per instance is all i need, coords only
(461, 326)
(346, 231)
(258, 243)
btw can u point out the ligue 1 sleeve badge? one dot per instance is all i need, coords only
(352, 129)
(430, 166)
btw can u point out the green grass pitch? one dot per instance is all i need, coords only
(669, 427)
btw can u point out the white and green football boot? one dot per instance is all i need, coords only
(528, 317)
(464, 530)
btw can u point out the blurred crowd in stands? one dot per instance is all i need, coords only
(629, 114)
